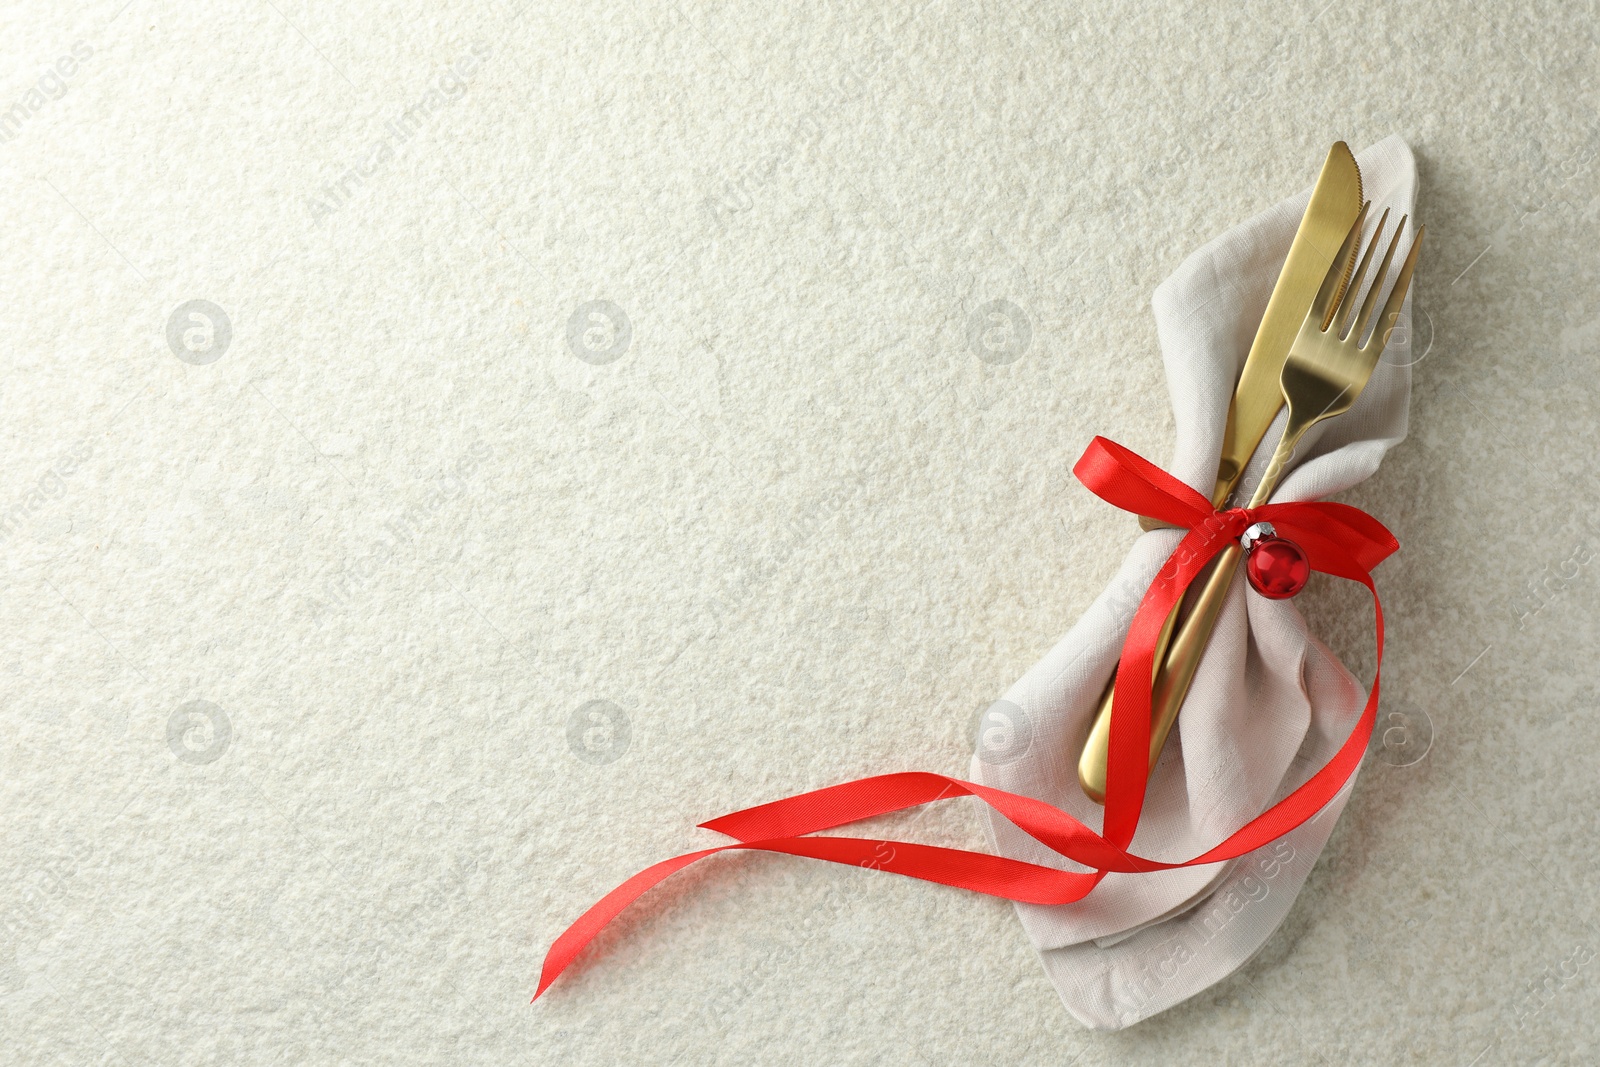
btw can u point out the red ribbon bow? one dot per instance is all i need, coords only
(1338, 539)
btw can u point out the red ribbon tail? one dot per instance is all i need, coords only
(977, 872)
(573, 940)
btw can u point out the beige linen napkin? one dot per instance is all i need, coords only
(1270, 703)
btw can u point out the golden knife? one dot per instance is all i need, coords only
(1335, 202)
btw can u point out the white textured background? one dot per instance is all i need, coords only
(396, 535)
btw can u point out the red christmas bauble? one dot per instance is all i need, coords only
(1277, 568)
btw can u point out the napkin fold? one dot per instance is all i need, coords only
(1269, 704)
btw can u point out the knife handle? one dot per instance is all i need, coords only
(1188, 646)
(1096, 750)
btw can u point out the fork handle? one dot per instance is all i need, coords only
(1189, 643)
(1293, 429)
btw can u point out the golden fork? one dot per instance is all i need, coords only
(1327, 368)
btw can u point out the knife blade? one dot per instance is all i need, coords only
(1334, 204)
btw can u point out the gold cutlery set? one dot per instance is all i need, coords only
(1308, 354)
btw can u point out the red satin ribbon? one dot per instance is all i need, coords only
(1338, 540)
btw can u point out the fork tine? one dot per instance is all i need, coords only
(1391, 310)
(1347, 303)
(1330, 283)
(1377, 280)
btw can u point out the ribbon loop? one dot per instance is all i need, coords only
(1127, 480)
(1338, 540)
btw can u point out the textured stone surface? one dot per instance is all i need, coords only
(345, 664)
